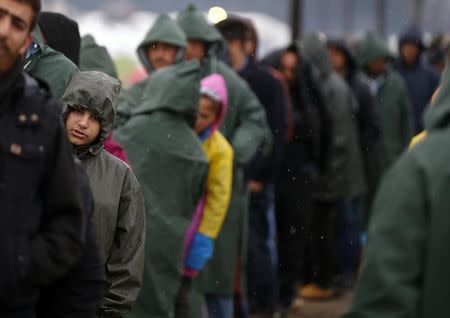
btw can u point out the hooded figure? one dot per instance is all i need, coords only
(344, 178)
(119, 216)
(245, 127)
(94, 57)
(406, 266)
(61, 34)
(49, 65)
(166, 31)
(421, 80)
(168, 159)
(394, 111)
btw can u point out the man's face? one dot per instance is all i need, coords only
(338, 60)
(377, 67)
(409, 52)
(195, 50)
(15, 23)
(82, 127)
(206, 114)
(289, 61)
(161, 54)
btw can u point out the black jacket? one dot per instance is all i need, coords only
(268, 89)
(78, 293)
(420, 78)
(42, 224)
(310, 147)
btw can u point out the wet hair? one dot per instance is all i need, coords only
(36, 6)
(232, 29)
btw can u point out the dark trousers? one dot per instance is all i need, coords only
(349, 237)
(323, 243)
(262, 289)
(293, 214)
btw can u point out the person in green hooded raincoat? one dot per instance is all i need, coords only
(94, 57)
(246, 128)
(169, 161)
(119, 215)
(343, 180)
(393, 107)
(49, 65)
(162, 46)
(405, 272)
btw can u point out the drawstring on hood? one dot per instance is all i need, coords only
(98, 93)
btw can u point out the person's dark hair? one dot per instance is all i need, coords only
(232, 29)
(36, 6)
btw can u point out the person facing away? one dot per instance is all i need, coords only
(119, 215)
(43, 222)
(213, 206)
(420, 78)
(163, 45)
(405, 269)
(394, 110)
(170, 163)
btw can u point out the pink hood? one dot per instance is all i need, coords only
(215, 87)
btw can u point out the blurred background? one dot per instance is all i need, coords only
(121, 24)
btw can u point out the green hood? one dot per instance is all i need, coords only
(174, 89)
(196, 27)
(372, 48)
(98, 93)
(438, 116)
(165, 30)
(94, 57)
(315, 50)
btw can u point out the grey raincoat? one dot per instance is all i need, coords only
(119, 215)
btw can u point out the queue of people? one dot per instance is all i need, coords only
(220, 184)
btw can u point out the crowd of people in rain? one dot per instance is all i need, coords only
(220, 185)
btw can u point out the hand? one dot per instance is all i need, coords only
(255, 186)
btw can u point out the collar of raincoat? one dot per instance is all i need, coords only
(98, 93)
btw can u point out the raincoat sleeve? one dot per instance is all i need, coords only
(253, 128)
(126, 261)
(218, 185)
(392, 272)
(408, 122)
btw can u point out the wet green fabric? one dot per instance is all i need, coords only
(169, 161)
(395, 113)
(94, 57)
(405, 269)
(119, 216)
(50, 66)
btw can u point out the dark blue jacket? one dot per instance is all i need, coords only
(420, 78)
(269, 90)
(42, 224)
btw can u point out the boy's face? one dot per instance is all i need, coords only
(82, 127)
(206, 114)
